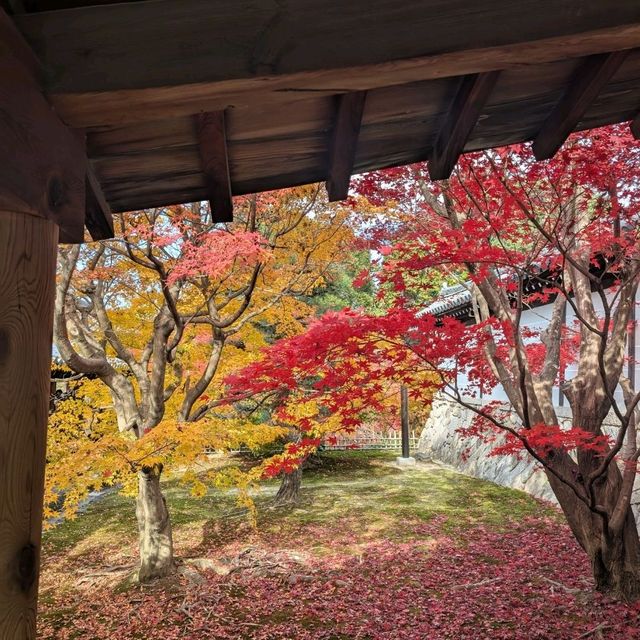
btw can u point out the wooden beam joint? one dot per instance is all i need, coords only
(212, 143)
(467, 106)
(43, 161)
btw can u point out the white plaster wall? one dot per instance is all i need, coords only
(537, 319)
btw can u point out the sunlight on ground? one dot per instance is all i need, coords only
(370, 552)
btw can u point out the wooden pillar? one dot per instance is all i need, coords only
(43, 170)
(27, 284)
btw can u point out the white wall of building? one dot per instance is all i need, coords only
(537, 319)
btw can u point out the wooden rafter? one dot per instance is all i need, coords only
(467, 106)
(585, 85)
(98, 218)
(212, 143)
(344, 141)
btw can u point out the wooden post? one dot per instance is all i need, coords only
(27, 285)
(43, 170)
(404, 419)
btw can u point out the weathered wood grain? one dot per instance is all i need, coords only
(214, 159)
(399, 126)
(459, 122)
(152, 60)
(590, 78)
(27, 283)
(344, 143)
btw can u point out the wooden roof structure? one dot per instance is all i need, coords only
(184, 100)
(112, 106)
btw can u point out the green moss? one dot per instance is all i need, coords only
(362, 490)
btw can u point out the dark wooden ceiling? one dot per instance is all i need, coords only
(133, 75)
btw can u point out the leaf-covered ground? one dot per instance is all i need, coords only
(372, 552)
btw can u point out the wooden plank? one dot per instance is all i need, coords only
(212, 143)
(344, 143)
(27, 287)
(98, 217)
(129, 62)
(460, 121)
(584, 87)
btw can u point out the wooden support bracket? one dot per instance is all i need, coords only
(467, 106)
(43, 163)
(214, 157)
(344, 143)
(585, 85)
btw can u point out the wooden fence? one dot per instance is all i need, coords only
(388, 442)
(391, 441)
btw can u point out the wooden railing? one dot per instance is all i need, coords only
(390, 442)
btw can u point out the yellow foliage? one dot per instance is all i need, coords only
(308, 240)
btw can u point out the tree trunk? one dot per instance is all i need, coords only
(616, 562)
(614, 554)
(289, 491)
(154, 526)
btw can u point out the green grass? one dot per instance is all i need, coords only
(364, 490)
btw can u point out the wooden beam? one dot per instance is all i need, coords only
(585, 85)
(344, 142)
(41, 161)
(635, 127)
(136, 61)
(98, 217)
(467, 106)
(212, 142)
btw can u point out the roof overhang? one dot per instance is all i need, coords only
(193, 99)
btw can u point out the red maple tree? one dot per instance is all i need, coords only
(516, 234)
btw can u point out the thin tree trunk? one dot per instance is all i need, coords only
(289, 491)
(154, 526)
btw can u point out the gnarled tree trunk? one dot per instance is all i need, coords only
(609, 536)
(154, 526)
(289, 491)
(614, 554)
